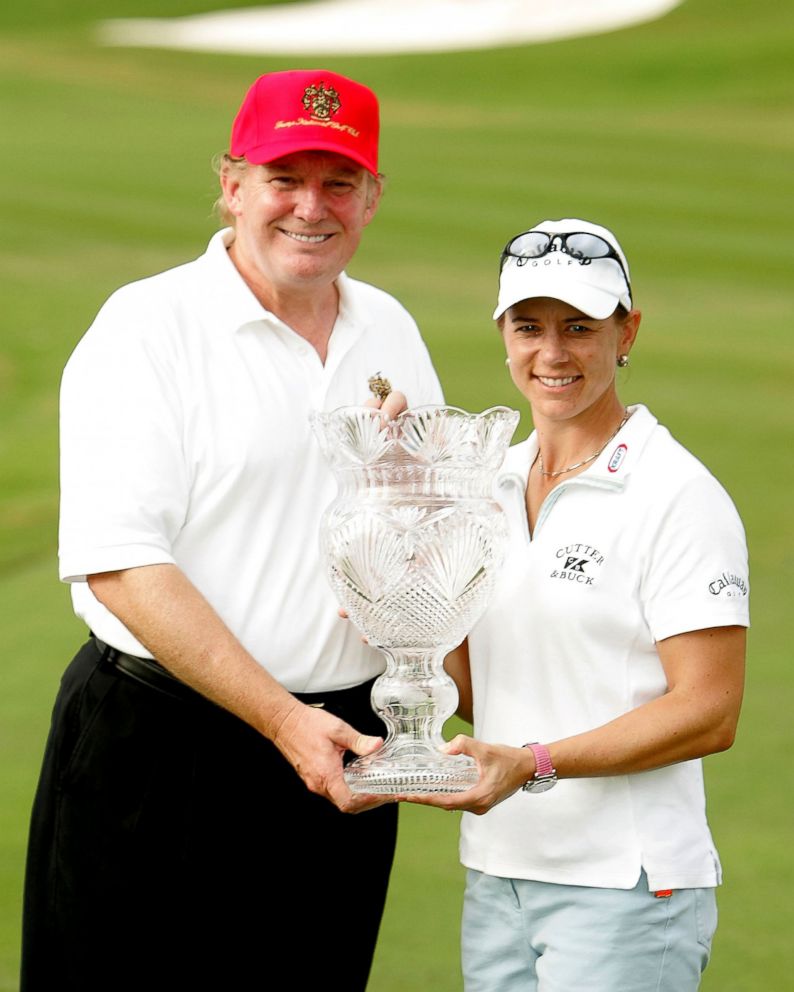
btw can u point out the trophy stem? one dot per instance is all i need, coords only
(414, 697)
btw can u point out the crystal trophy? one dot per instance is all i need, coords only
(412, 544)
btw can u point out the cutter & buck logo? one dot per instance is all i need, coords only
(577, 563)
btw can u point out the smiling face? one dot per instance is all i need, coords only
(298, 220)
(564, 361)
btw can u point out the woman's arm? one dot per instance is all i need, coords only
(456, 664)
(696, 716)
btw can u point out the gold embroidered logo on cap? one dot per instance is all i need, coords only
(321, 101)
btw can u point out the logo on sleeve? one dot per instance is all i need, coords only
(728, 584)
(577, 563)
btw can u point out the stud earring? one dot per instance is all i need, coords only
(623, 361)
(507, 361)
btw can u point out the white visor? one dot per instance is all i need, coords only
(595, 287)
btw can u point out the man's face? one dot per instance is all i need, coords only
(298, 220)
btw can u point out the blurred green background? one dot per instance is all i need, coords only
(679, 134)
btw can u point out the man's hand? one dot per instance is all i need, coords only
(503, 770)
(391, 407)
(314, 742)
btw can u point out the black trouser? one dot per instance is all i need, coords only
(173, 847)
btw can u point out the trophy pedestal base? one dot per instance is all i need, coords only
(411, 771)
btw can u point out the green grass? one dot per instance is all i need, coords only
(677, 133)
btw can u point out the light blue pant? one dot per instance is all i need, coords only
(521, 936)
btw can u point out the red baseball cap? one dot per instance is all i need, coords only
(307, 110)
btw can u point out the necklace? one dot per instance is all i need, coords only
(584, 461)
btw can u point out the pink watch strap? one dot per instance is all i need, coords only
(543, 763)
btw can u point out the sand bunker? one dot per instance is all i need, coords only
(358, 27)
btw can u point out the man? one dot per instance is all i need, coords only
(172, 843)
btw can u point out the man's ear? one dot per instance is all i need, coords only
(231, 187)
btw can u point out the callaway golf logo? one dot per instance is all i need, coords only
(732, 585)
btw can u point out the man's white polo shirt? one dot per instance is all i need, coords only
(185, 439)
(644, 545)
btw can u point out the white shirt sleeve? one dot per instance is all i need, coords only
(124, 483)
(696, 570)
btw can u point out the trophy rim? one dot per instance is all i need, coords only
(413, 410)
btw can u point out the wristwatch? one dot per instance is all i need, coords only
(545, 776)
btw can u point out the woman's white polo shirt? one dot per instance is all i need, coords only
(644, 545)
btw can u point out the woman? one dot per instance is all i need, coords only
(615, 639)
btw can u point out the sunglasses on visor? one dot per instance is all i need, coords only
(578, 244)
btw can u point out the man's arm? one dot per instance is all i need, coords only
(171, 618)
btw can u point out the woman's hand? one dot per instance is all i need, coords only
(503, 770)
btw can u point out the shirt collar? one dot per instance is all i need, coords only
(236, 306)
(610, 470)
(350, 310)
(616, 462)
(227, 295)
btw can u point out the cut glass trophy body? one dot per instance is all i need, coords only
(412, 543)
